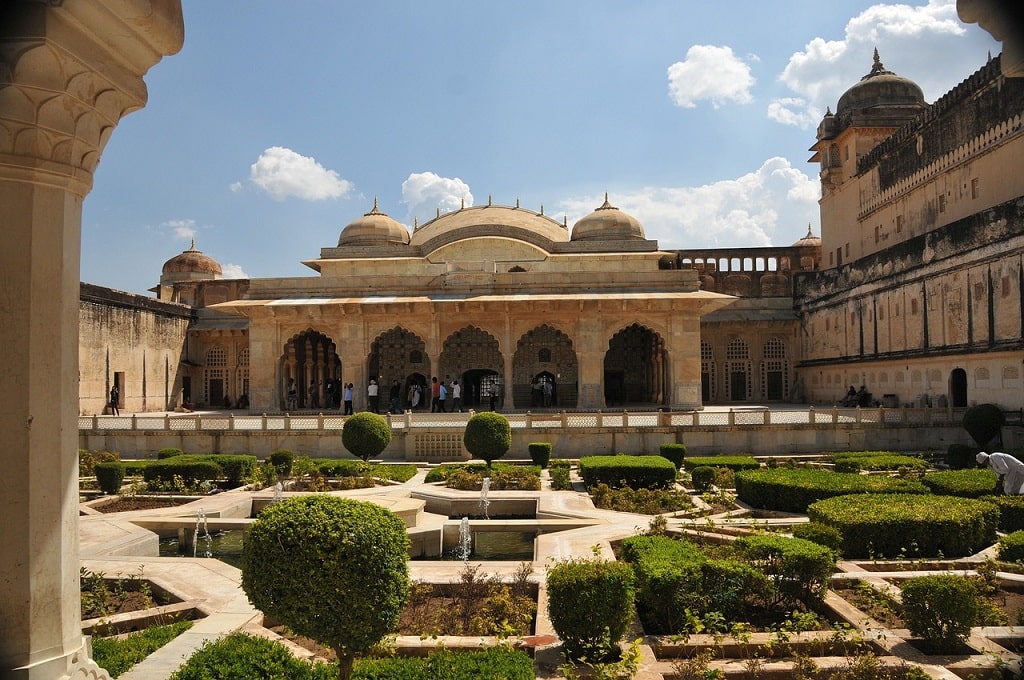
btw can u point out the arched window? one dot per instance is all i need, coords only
(544, 355)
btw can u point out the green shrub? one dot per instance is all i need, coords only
(444, 664)
(1011, 511)
(561, 478)
(560, 462)
(846, 465)
(241, 655)
(972, 483)
(168, 453)
(235, 467)
(674, 452)
(702, 476)
(191, 469)
(819, 533)
(799, 569)
(117, 655)
(487, 436)
(961, 456)
(984, 422)
(366, 435)
(332, 569)
(941, 609)
(540, 453)
(640, 501)
(282, 460)
(794, 489)
(1011, 547)
(109, 476)
(637, 472)
(736, 463)
(590, 603)
(895, 525)
(87, 461)
(876, 461)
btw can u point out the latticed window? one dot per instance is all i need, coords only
(774, 369)
(243, 357)
(544, 356)
(707, 370)
(737, 349)
(774, 348)
(216, 357)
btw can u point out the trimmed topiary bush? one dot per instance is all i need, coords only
(984, 422)
(366, 435)
(941, 609)
(799, 569)
(1011, 512)
(235, 467)
(702, 476)
(894, 525)
(590, 603)
(540, 453)
(793, 489)
(972, 483)
(241, 655)
(168, 453)
(1011, 547)
(332, 569)
(282, 460)
(109, 476)
(674, 452)
(961, 456)
(488, 436)
(636, 472)
(735, 463)
(819, 533)
(191, 469)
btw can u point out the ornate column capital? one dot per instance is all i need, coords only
(68, 73)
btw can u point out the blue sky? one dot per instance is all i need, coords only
(278, 123)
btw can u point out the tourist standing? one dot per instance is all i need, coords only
(293, 395)
(442, 394)
(456, 396)
(395, 396)
(348, 399)
(314, 399)
(415, 394)
(115, 400)
(549, 389)
(435, 394)
(373, 395)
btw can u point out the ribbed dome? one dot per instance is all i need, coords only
(607, 223)
(881, 92)
(190, 265)
(373, 228)
(809, 240)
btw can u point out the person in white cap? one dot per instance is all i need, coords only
(1008, 467)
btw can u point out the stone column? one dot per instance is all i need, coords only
(68, 73)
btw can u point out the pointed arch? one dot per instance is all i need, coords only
(399, 354)
(473, 356)
(309, 360)
(545, 354)
(636, 368)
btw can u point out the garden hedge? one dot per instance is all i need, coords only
(540, 453)
(1011, 512)
(191, 469)
(109, 476)
(799, 569)
(637, 472)
(735, 463)
(1011, 547)
(961, 456)
(674, 452)
(974, 483)
(908, 525)
(876, 461)
(794, 489)
(590, 604)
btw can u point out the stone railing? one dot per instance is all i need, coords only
(758, 416)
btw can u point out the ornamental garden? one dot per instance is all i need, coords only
(522, 564)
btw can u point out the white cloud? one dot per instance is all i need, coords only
(770, 206)
(425, 192)
(926, 43)
(283, 173)
(709, 73)
(233, 271)
(182, 229)
(794, 111)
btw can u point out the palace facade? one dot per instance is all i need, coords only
(913, 291)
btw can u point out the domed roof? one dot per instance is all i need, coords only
(373, 228)
(190, 265)
(607, 223)
(489, 220)
(809, 240)
(880, 90)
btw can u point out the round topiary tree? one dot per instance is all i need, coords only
(984, 422)
(332, 569)
(366, 434)
(488, 436)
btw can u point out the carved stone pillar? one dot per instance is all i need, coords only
(68, 73)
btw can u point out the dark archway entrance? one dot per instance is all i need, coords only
(478, 386)
(635, 368)
(545, 351)
(398, 354)
(310, 361)
(472, 356)
(958, 387)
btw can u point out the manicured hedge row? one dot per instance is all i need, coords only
(965, 483)
(590, 603)
(637, 472)
(792, 490)
(109, 476)
(674, 452)
(894, 525)
(800, 569)
(496, 662)
(876, 461)
(736, 463)
(1011, 512)
(196, 468)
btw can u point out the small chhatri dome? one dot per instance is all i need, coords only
(374, 228)
(190, 265)
(607, 223)
(809, 240)
(881, 93)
